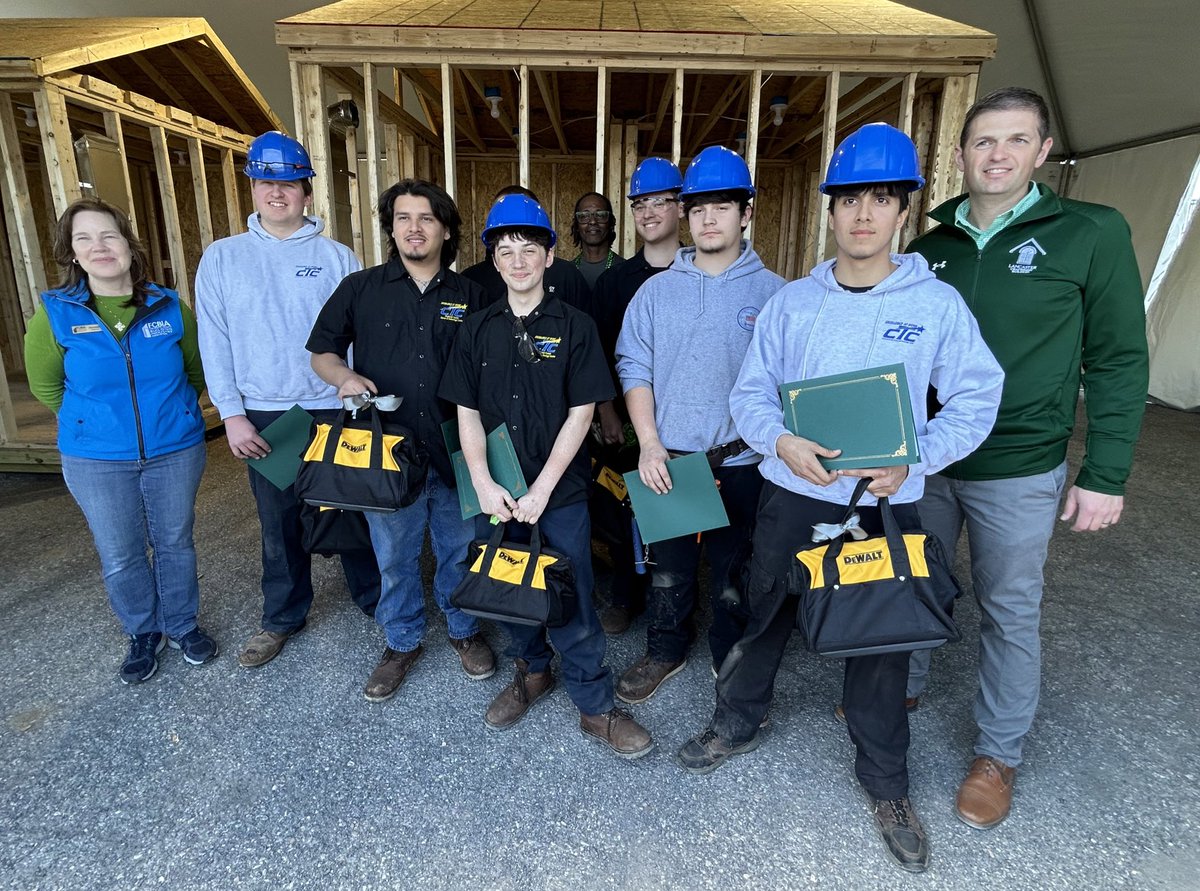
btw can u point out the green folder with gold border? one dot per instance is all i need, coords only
(867, 414)
(693, 504)
(502, 464)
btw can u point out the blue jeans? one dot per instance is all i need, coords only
(397, 539)
(580, 642)
(1009, 523)
(129, 504)
(286, 567)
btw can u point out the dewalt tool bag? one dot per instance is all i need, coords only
(521, 583)
(883, 594)
(366, 465)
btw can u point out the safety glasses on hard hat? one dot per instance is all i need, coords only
(274, 169)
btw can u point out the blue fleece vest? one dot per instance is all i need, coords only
(129, 398)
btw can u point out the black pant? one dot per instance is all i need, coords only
(874, 687)
(673, 585)
(286, 566)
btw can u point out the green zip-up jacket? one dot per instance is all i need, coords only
(1059, 301)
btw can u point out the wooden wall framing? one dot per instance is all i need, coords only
(183, 192)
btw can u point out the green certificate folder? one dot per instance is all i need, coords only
(693, 504)
(288, 436)
(502, 464)
(867, 414)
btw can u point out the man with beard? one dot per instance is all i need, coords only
(401, 319)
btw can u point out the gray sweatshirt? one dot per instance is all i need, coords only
(684, 337)
(257, 297)
(814, 327)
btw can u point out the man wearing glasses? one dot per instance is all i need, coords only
(593, 229)
(654, 199)
(256, 297)
(682, 343)
(534, 365)
(401, 319)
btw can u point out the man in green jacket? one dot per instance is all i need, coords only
(1055, 287)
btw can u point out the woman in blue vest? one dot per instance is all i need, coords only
(115, 356)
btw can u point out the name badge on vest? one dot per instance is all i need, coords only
(85, 329)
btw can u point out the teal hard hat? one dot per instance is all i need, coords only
(517, 210)
(874, 153)
(654, 175)
(276, 156)
(717, 169)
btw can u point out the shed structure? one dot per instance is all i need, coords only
(566, 97)
(150, 114)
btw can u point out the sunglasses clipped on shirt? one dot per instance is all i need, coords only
(600, 216)
(526, 348)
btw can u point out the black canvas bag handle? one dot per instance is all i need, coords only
(375, 456)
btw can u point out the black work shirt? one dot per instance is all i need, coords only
(611, 297)
(562, 280)
(401, 341)
(486, 373)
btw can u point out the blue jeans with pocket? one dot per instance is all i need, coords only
(397, 539)
(134, 505)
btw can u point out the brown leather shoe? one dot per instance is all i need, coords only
(641, 680)
(618, 730)
(615, 619)
(910, 704)
(985, 796)
(261, 648)
(390, 673)
(478, 660)
(511, 703)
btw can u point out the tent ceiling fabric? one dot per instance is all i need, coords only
(1121, 69)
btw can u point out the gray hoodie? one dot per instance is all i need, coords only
(257, 297)
(814, 327)
(684, 337)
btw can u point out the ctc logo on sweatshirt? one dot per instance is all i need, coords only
(308, 271)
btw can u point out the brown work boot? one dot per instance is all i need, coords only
(390, 673)
(478, 660)
(511, 703)
(910, 704)
(641, 680)
(985, 796)
(615, 619)
(617, 729)
(261, 648)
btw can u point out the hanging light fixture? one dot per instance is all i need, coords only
(491, 95)
(741, 138)
(779, 105)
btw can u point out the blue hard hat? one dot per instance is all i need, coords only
(276, 156)
(717, 169)
(874, 153)
(517, 210)
(654, 175)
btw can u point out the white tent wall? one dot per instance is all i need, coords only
(1145, 184)
(1173, 327)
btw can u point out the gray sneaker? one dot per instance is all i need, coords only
(902, 833)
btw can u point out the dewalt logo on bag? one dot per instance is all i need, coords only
(509, 565)
(864, 561)
(354, 448)
(854, 559)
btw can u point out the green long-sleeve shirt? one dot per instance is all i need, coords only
(1059, 301)
(44, 355)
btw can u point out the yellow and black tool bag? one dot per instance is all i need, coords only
(365, 465)
(521, 583)
(883, 594)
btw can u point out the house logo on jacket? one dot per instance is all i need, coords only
(157, 328)
(1027, 252)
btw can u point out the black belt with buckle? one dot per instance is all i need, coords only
(718, 455)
